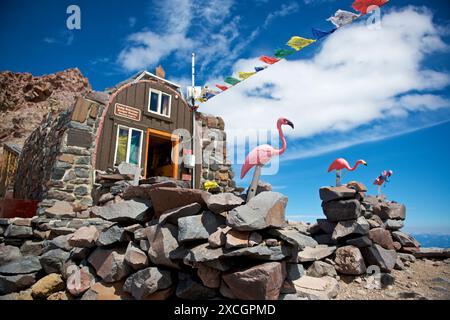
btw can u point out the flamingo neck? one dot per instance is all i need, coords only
(355, 166)
(283, 142)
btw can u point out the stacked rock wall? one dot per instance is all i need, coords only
(55, 163)
(213, 140)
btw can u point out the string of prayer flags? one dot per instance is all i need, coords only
(319, 34)
(232, 81)
(342, 18)
(268, 60)
(283, 53)
(246, 75)
(258, 69)
(299, 43)
(223, 88)
(363, 5)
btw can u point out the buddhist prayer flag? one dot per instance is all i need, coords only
(258, 69)
(246, 75)
(283, 53)
(363, 5)
(319, 34)
(299, 43)
(269, 60)
(232, 81)
(342, 17)
(223, 88)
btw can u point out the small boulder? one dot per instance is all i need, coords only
(390, 210)
(127, 212)
(198, 227)
(317, 253)
(53, 261)
(321, 269)
(393, 225)
(109, 264)
(15, 283)
(135, 257)
(190, 288)
(294, 237)
(336, 193)
(166, 198)
(405, 239)
(260, 282)
(340, 210)
(85, 237)
(236, 239)
(219, 237)
(223, 202)
(146, 282)
(79, 281)
(20, 232)
(350, 227)
(324, 288)
(21, 265)
(60, 210)
(162, 240)
(350, 261)
(111, 235)
(377, 255)
(8, 254)
(265, 210)
(382, 237)
(360, 242)
(210, 277)
(172, 215)
(46, 286)
(294, 271)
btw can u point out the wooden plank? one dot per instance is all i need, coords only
(131, 96)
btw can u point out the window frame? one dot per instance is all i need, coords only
(159, 107)
(127, 156)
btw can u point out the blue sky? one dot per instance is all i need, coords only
(378, 95)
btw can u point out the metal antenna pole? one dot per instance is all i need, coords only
(193, 119)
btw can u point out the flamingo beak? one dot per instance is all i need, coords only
(289, 123)
(364, 163)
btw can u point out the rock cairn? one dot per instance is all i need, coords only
(160, 240)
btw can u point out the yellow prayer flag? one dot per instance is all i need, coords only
(245, 75)
(299, 43)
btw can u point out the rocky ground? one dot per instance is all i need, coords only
(424, 279)
(25, 100)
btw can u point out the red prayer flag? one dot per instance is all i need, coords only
(223, 88)
(269, 60)
(363, 5)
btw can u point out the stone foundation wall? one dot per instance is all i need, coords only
(213, 139)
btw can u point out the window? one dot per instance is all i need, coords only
(159, 102)
(128, 146)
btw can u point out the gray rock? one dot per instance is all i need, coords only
(318, 253)
(265, 210)
(360, 242)
(202, 253)
(21, 232)
(9, 284)
(326, 226)
(198, 227)
(437, 253)
(406, 257)
(146, 282)
(254, 239)
(60, 242)
(321, 269)
(222, 202)
(390, 210)
(22, 265)
(144, 245)
(172, 216)
(129, 211)
(341, 210)
(349, 260)
(8, 254)
(294, 237)
(111, 235)
(32, 248)
(351, 227)
(190, 288)
(382, 237)
(336, 193)
(405, 239)
(377, 255)
(262, 252)
(393, 225)
(79, 254)
(53, 261)
(162, 240)
(325, 239)
(294, 271)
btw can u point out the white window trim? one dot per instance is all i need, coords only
(159, 111)
(127, 156)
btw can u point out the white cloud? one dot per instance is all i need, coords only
(285, 10)
(359, 77)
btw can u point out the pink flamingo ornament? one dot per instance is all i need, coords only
(340, 164)
(261, 155)
(382, 178)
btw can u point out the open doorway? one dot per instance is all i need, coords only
(160, 146)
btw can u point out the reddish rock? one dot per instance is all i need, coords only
(349, 260)
(61, 209)
(219, 238)
(261, 282)
(336, 193)
(79, 281)
(84, 237)
(135, 257)
(358, 186)
(106, 291)
(109, 264)
(210, 277)
(236, 239)
(164, 198)
(382, 237)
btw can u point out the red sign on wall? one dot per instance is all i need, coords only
(127, 112)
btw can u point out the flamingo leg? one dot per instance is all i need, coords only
(379, 191)
(254, 184)
(338, 178)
